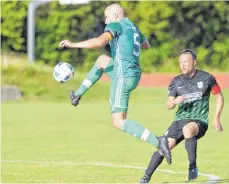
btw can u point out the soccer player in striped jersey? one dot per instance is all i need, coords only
(126, 42)
(190, 91)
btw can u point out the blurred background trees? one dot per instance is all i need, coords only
(169, 27)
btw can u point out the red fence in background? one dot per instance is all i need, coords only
(163, 80)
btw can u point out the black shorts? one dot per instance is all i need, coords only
(175, 129)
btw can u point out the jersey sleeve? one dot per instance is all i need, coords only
(215, 89)
(172, 89)
(114, 28)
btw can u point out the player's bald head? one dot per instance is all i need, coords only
(116, 9)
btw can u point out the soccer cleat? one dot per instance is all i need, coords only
(164, 148)
(192, 174)
(74, 98)
(145, 179)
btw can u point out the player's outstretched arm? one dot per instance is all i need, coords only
(219, 108)
(89, 44)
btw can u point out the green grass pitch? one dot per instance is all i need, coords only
(54, 142)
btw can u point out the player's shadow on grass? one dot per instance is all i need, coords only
(203, 181)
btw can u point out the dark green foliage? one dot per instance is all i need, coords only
(205, 27)
(169, 27)
(13, 25)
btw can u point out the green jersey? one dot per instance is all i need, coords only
(196, 93)
(125, 47)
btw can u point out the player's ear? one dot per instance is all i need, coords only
(194, 62)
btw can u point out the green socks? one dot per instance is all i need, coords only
(137, 130)
(92, 77)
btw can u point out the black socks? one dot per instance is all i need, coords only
(155, 161)
(191, 146)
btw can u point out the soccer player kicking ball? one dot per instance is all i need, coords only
(191, 92)
(122, 67)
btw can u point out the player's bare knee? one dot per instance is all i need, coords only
(190, 130)
(117, 123)
(187, 132)
(102, 61)
(118, 120)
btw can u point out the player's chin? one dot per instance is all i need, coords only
(185, 72)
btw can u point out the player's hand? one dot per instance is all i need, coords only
(217, 125)
(65, 44)
(178, 100)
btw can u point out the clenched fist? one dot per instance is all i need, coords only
(65, 44)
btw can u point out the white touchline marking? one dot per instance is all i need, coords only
(210, 176)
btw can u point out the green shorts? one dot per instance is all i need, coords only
(120, 92)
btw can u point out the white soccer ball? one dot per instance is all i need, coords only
(63, 72)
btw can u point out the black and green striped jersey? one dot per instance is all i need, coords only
(196, 92)
(125, 47)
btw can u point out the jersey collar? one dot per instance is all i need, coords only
(187, 77)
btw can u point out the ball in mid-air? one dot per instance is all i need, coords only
(63, 72)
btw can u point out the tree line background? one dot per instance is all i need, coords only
(169, 27)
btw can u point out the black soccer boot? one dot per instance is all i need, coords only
(145, 179)
(164, 148)
(74, 98)
(192, 174)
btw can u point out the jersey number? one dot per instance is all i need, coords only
(137, 45)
